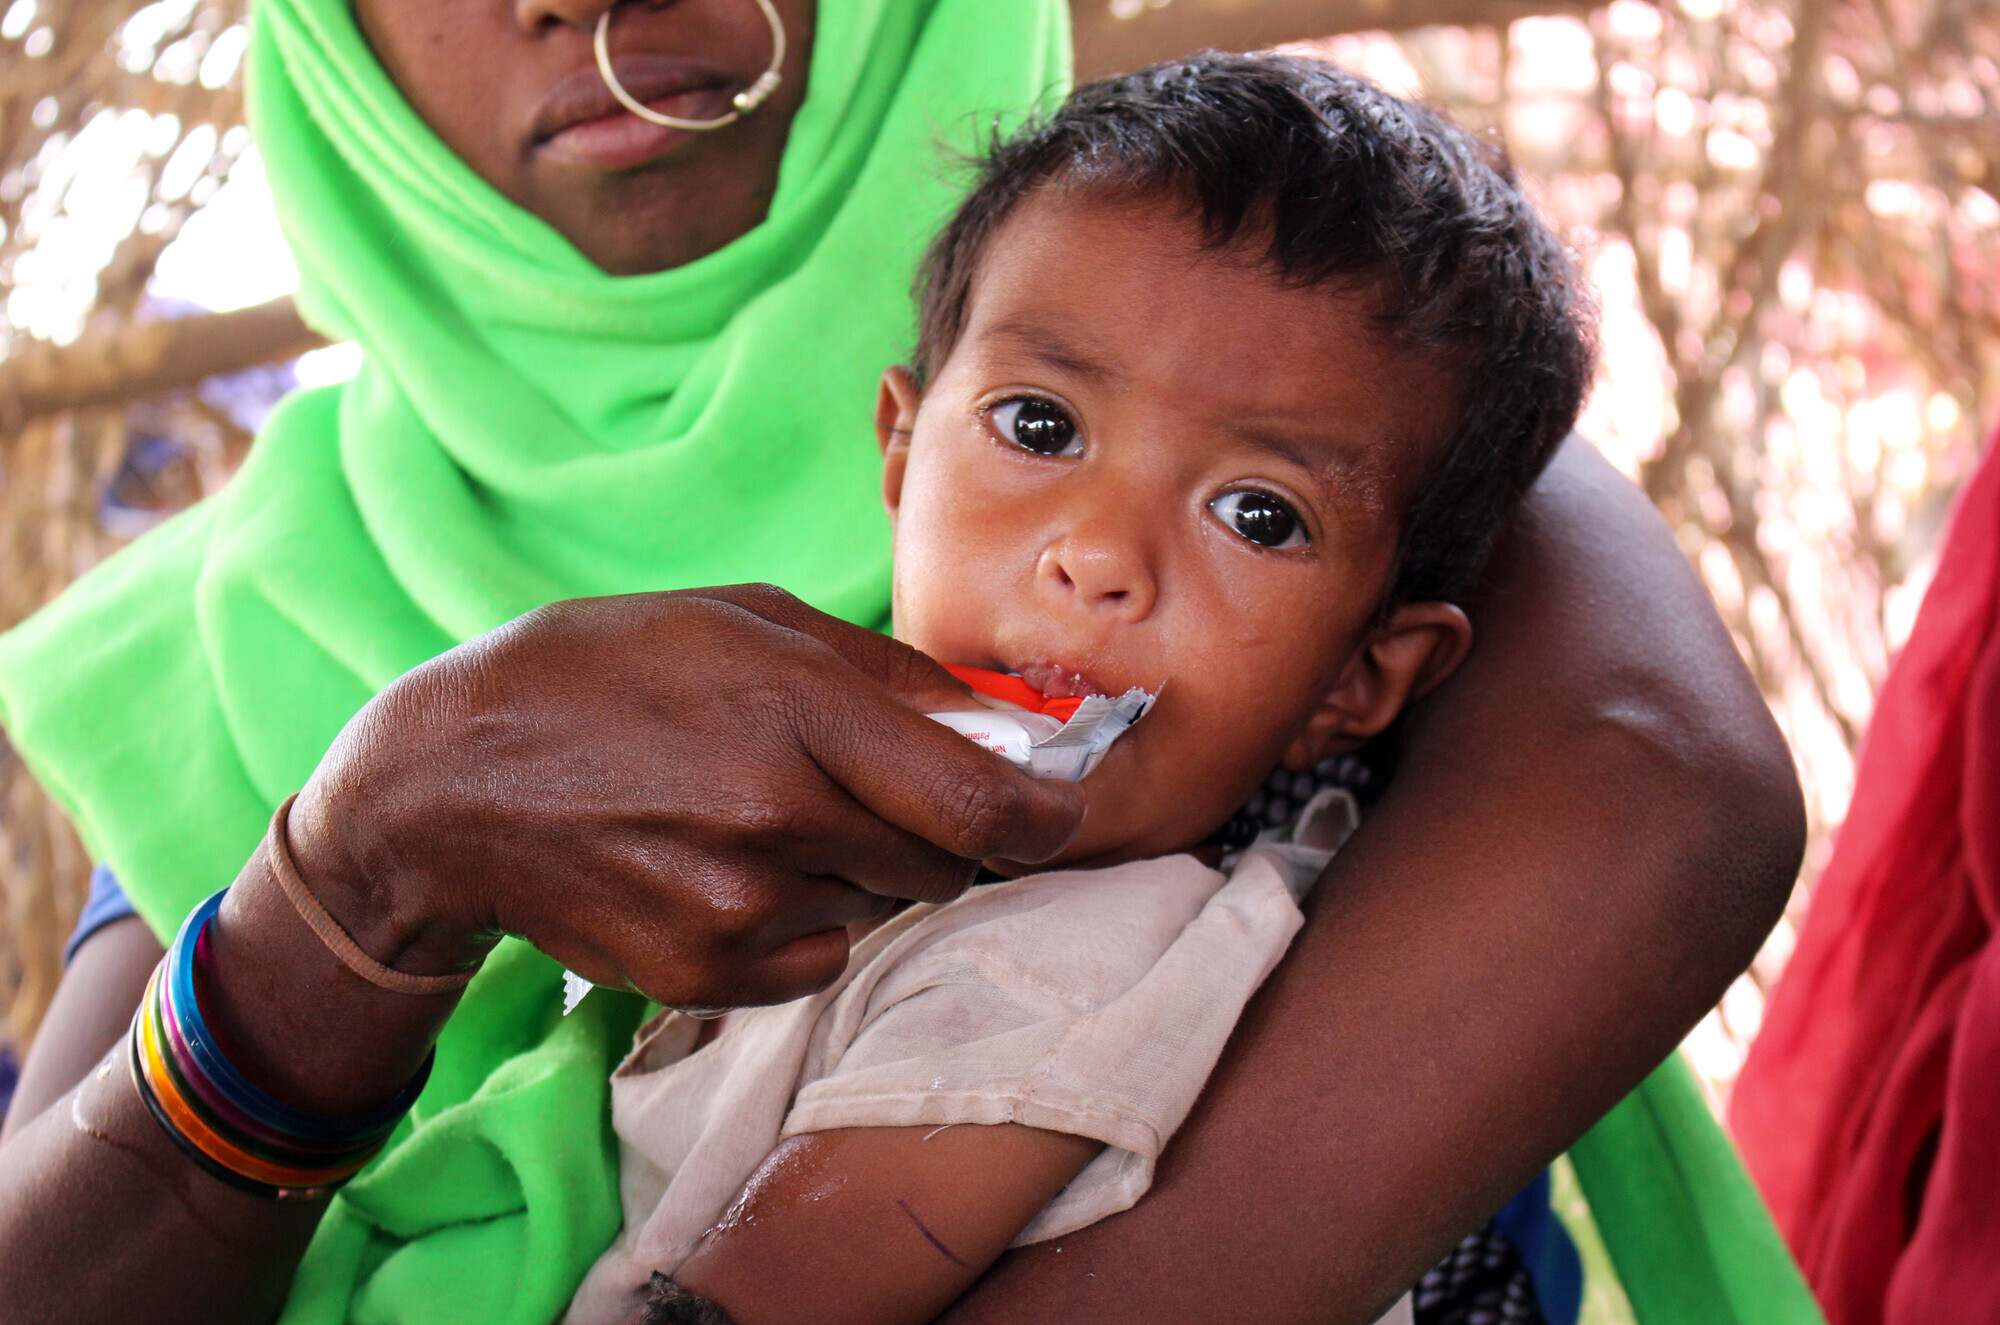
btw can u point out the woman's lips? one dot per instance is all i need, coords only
(581, 122)
(618, 142)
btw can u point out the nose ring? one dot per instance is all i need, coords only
(746, 101)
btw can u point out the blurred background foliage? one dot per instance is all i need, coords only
(1788, 207)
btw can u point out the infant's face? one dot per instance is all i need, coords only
(1145, 464)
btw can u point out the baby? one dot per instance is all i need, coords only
(1227, 376)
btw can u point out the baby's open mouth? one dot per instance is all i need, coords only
(1058, 682)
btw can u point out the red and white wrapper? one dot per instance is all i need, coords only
(1048, 747)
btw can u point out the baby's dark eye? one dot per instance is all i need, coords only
(1261, 518)
(1036, 425)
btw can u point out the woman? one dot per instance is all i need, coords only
(1867, 1106)
(656, 789)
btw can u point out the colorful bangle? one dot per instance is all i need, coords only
(227, 1126)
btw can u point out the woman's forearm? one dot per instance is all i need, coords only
(646, 816)
(89, 1014)
(1593, 826)
(97, 1202)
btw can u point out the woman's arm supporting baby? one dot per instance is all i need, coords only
(933, 1207)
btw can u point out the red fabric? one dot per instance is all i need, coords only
(1007, 686)
(1883, 1037)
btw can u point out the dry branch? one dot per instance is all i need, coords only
(1107, 44)
(143, 359)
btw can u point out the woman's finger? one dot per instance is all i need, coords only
(862, 722)
(808, 903)
(912, 677)
(739, 944)
(836, 835)
(932, 782)
(783, 807)
(802, 967)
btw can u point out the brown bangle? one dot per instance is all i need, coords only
(278, 849)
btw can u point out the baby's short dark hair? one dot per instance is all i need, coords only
(1345, 184)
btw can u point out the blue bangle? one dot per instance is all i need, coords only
(209, 1059)
(228, 1126)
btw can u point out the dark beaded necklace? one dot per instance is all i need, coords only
(1285, 793)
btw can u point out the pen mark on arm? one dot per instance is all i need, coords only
(929, 1236)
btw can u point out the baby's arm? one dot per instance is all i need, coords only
(878, 1225)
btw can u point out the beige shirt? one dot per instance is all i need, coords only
(1093, 1002)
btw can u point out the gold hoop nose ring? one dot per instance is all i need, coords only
(746, 101)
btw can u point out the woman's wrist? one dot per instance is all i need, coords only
(295, 1019)
(378, 888)
(278, 855)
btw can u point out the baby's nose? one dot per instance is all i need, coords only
(1099, 575)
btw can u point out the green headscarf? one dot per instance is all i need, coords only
(524, 428)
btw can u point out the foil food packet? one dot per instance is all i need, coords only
(1061, 739)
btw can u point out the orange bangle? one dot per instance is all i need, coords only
(215, 1147)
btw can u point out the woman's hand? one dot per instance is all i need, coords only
(690, 794)
(687, 793)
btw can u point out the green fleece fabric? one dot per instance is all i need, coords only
(524, 428)
(1690, 1237)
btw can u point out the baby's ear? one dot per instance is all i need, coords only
(895, 415)
(1398, 663)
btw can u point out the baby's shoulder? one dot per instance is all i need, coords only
(1156, 897)
(1080, 937)
(1077, 936)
